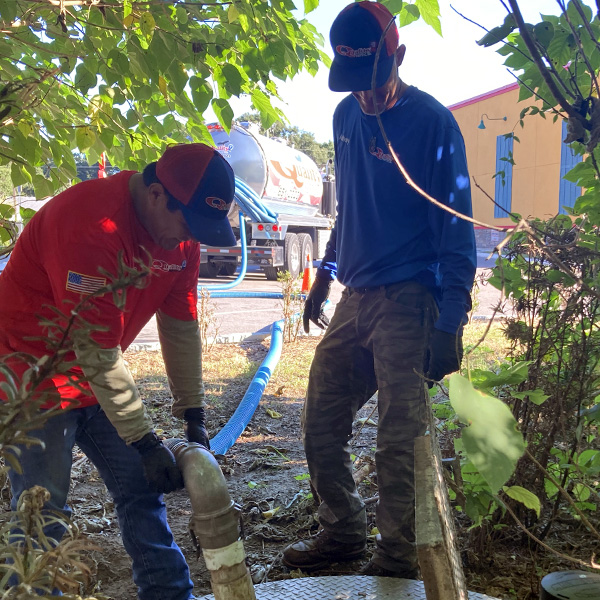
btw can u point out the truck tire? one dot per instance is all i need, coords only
(208, 270)
(306, 250)
(291, 255)
(228, 269)
(271, 273)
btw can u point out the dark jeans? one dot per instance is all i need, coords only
(159, 568)
(376, 341)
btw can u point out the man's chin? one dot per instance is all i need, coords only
(169, 244)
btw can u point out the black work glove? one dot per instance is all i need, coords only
(443, 356)
(313, 307)
(195, 427)
(160, 468)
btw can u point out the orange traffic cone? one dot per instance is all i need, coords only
(308, 277)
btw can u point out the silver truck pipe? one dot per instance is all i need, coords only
(215, 522)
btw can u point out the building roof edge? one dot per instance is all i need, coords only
(491, 94)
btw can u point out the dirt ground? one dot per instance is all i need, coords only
(266, 474)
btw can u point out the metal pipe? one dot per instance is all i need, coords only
(215, 521)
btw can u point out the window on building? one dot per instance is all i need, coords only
(568, 192)
(504, 170)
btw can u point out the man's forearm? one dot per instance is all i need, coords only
(115, 390)
(182, 352)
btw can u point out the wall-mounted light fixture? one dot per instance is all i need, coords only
(482, 124)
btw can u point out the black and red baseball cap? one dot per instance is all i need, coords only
(354, 37)
(203, 184)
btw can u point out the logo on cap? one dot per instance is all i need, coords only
(215, 202)
(352, 53)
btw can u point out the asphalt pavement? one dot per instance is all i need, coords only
(238, 318)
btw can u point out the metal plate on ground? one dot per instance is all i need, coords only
(346, 587)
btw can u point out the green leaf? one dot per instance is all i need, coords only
(43, 186)
(232, 79)
(85, 138)
(409, 14)
(310, 5)
(490, 438)
(223, 111)
(84, 79)
(19, 175)
(394, 6)
(430, 12)
(536, 396)
(543, 33)
(26, 213)
(182, 15)
(497, 34)
(268, 115)
(147, 23)
(520, 494)
(507, 375)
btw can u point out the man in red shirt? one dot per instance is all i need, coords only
(65, 253)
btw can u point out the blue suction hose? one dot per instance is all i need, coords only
(249, 204)
(242, 415)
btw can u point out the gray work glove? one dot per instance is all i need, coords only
(195, 426)
(160, 468)
(443, 356)
(313, 307)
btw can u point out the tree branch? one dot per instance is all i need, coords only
(541, 66)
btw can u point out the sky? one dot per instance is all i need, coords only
(452, 68)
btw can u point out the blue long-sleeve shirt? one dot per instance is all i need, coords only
(385, 231)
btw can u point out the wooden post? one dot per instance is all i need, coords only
(439, 559)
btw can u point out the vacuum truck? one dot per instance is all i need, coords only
(287, 185)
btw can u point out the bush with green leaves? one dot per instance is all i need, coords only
(529, 442)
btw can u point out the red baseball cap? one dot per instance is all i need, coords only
(203, 184)
(354, 37)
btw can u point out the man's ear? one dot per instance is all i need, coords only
(399, 54)
(157, 194)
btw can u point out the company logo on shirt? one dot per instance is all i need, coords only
(378, 152)
(344, 139)
(162, 265)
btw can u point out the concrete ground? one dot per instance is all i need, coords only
(243, 318)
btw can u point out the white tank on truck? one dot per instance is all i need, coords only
(289, 184)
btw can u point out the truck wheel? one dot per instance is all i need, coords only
(228, 269)
(306, 250)
(291, 254)
(208, 269)
(271, 273)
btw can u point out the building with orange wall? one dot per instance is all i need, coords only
(533, 185)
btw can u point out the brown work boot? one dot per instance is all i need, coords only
(320, 551)
(374, 570)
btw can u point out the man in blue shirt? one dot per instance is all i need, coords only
(408, 267)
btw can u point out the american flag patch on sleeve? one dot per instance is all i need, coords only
(84, 284)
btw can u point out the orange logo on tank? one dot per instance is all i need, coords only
(298, 173)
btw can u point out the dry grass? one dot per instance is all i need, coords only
(229, 368)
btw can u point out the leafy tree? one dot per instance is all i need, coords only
(126, 77)
(550, 380)
(295, 137)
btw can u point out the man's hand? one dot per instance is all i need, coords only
(195, 427)
(444, 355)
(160, 468)
(313, 307)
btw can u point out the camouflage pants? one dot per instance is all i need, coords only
(376, 340)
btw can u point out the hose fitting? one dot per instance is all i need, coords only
(215, 521)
